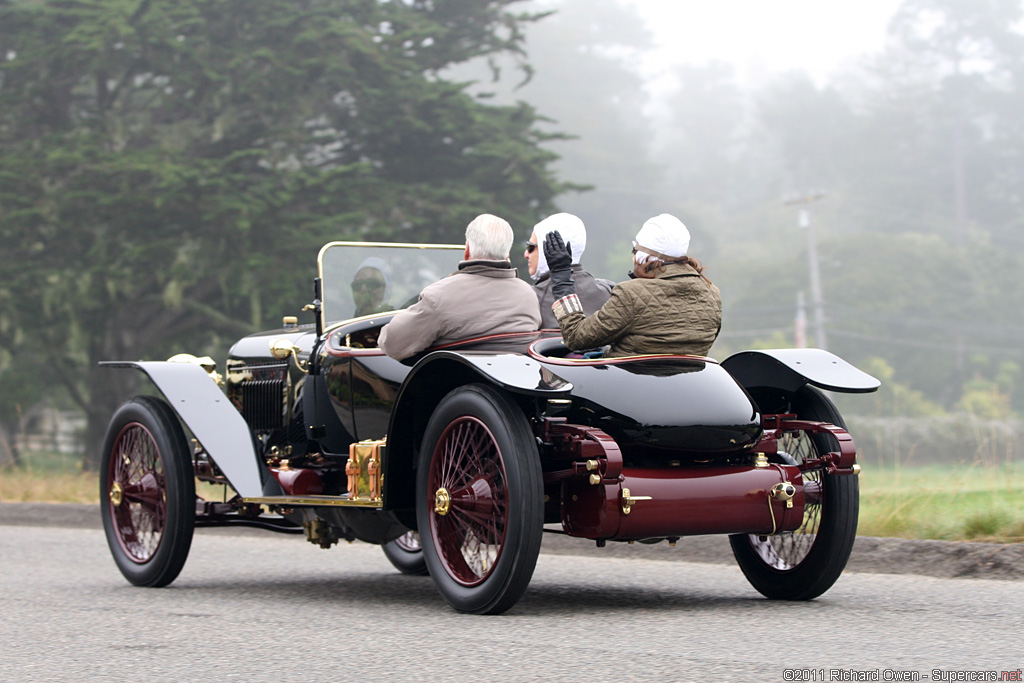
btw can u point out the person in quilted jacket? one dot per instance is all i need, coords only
(669, 306)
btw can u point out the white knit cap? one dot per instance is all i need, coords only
(664, 234)
(571, 229)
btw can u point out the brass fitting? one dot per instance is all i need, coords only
(442, 501)
(283, 349)
(628, 501)
(116, 494)
(784, 491)
(318, 532)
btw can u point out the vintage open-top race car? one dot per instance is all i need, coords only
(457, 461)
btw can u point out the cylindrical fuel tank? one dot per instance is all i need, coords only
(298, 481)
(685, 502)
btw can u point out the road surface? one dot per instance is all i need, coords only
(262, 607)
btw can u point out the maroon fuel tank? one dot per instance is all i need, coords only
(298, 481)
(661, 503)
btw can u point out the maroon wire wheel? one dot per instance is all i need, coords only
(467, 476)
(137, 495)
(147, 489)
(480, 499)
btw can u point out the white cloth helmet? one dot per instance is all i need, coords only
(573, 233)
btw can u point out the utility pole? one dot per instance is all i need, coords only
(817, 302)
(800, 325)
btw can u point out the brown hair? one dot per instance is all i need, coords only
(656, 266)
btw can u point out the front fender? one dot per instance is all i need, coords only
(789, 370)
(211, 418)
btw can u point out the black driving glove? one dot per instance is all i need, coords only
(559, 258)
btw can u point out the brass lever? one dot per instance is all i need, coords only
(628, 501)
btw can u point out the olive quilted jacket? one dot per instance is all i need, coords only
(676, 312)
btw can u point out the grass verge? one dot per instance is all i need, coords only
(45, 477)
(977, 502)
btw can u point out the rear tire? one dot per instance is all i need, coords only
(147, 492)
(480, 500)
(802, 565)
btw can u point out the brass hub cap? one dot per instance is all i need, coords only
(116, 494)
(442, 501)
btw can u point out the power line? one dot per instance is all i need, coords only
(924, 345)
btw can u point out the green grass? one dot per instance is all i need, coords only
(981, 502)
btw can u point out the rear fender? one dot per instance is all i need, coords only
(788, 370)
(211, 418)
(431, 379)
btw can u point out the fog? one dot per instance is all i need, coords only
(900, 120)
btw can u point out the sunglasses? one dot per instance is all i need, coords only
(530, 246)
(364, 285)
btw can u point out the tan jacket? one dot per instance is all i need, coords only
(480, 298)
(676, 312)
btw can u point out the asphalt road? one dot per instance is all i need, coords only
(262, 607)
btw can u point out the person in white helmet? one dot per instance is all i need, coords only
(592, 291)
(670, 306)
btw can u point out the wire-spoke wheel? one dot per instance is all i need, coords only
(803, 564)
(406, 554)
(479, 500)
(147, 492)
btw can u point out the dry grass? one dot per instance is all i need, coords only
(55, 478)
(24, 486)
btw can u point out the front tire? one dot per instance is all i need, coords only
(479, 502)
(406, 554)
(147, 492)
(802, 565)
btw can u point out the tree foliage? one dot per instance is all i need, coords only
(169, 169)
(590, 87)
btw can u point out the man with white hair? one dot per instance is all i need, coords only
(669, 306)
(483, 297)
(593, 292)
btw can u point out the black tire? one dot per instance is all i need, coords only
(406, 553)
(480, 546)
(804, 564)
(147, 492)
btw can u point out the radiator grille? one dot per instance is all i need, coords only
(263, 404)
(259, 388)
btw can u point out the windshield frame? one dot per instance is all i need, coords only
(388, 245)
